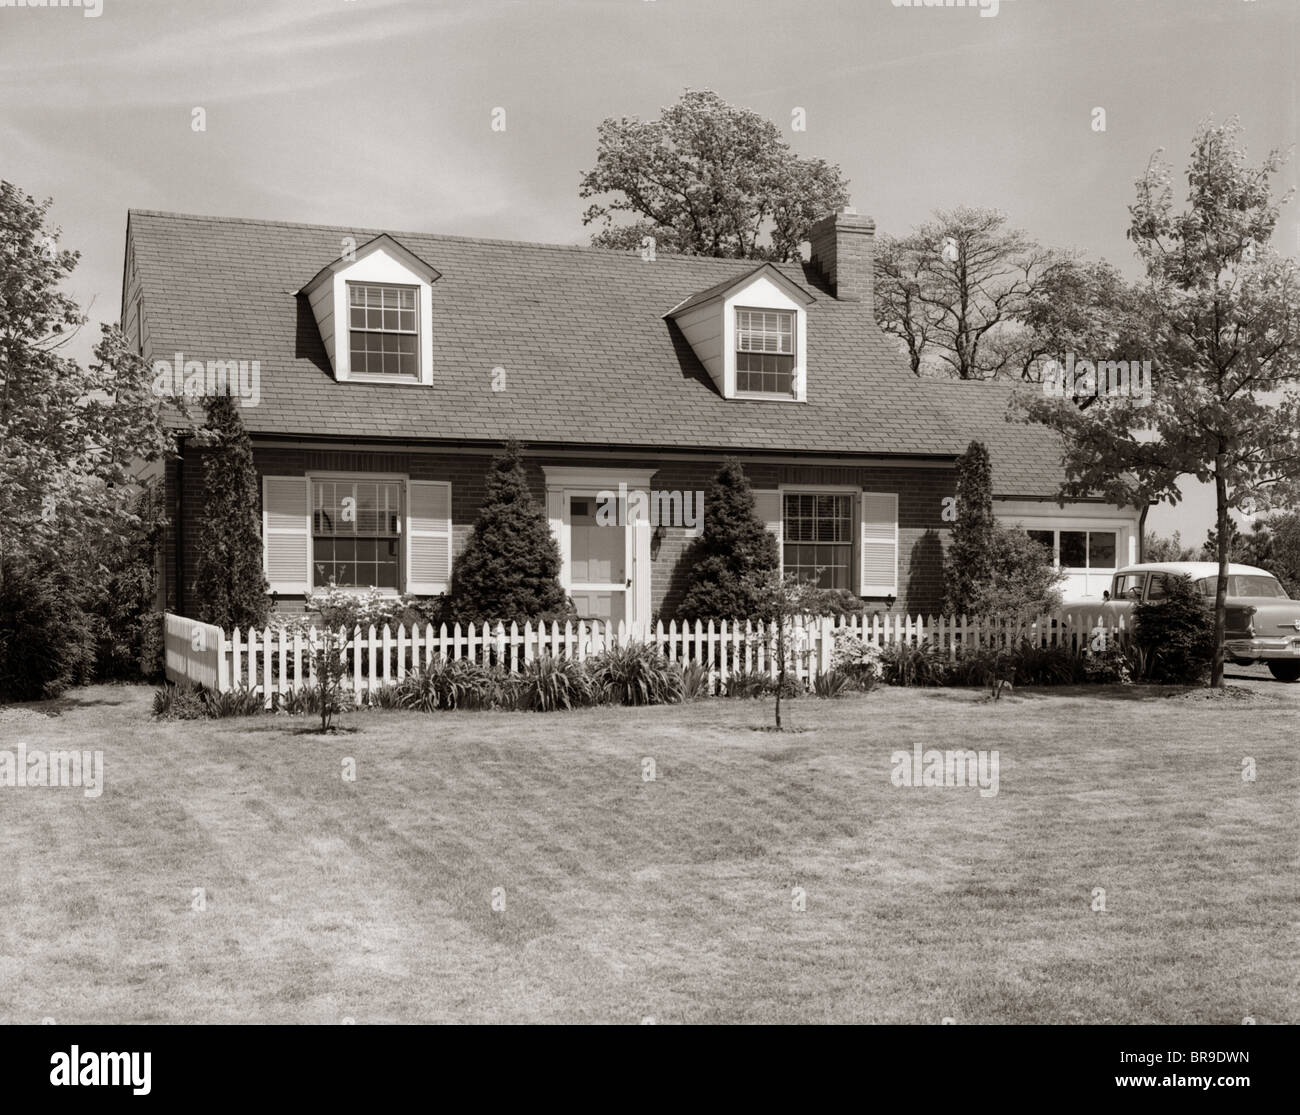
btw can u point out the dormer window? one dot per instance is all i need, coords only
(765, 352)
(383, 330)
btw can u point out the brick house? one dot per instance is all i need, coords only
(381, 371)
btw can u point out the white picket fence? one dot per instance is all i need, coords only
(278, 661)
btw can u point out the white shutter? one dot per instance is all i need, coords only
(286, 534)
(768, 506)
(428, 537)
(878, 512)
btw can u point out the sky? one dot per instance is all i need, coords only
(379, 113)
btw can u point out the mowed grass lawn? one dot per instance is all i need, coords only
(673, 898)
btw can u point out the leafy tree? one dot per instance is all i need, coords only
(956, 291)
(734, 545)
(230, 588)
(71, 438)
(1155, 548)
(1224, 317)
(510, 568)
(1274, 544)
(707, 178)
(1084, 309)
(1210, 547)
(969, 561)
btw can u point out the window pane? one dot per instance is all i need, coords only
(818, 530)
(1074, 549)
(1046, 539)
(1101, 549)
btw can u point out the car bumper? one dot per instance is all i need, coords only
(1285, 647)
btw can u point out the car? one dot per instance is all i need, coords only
(1261, 623)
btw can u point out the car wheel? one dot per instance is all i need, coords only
(1285, 670)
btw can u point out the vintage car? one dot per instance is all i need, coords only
(1261, 623)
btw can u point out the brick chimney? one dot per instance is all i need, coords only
(842, 249)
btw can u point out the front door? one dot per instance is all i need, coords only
(600, 559)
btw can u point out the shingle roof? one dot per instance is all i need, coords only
(589, 358)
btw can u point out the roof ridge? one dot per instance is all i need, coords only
(397, 233)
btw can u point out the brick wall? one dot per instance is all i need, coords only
(922, 533)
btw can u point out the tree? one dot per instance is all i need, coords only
(734, 545)
(707, 178)
(957, 289)
(1155, 548)
(969, 561)
(510, 568)
(230, 588)
(1223, 314)
(1082, 309)
(1274, 544)
(1210, 547)
(71, 438)
(779, 602)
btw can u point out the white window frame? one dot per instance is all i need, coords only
(385, 377)
(787, 396)
(855, 524)
(402, 479)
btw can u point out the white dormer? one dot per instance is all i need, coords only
(374, 309)
(751, 335)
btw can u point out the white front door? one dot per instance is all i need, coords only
(600, 560)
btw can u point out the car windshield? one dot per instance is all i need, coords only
(1244, 584)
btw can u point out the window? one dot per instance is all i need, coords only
(139, 326)
(1157, 587)
(384, 337)
(356, 533)
(1128, 587)
(1243, 584)
(1046, 539)
(764, 352)
(818, 536)
(1079, 549)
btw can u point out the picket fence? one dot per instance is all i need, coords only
(275, 661)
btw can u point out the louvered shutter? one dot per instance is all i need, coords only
(768, 506)
(878, 513)
(286, 534)
(428, 537)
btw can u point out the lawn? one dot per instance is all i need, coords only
(671, 899)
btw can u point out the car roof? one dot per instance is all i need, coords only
(1191, 568)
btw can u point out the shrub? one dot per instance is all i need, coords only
(695, 681)
(758, 683)
(46, 641)
(1110, 666)
(1022, 579)
(832, 684)
(734, 545)
(230, 588)
(510, 567)
(444, 684)
(386, 696)
(636, 675)
(1177, 634)
(968, 563)
(235, 702)
(857, 660)
(746, 684)
(179, 702)
(913, 665)
(1038, 665)
(552, 682)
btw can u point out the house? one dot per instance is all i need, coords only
(382, 370)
